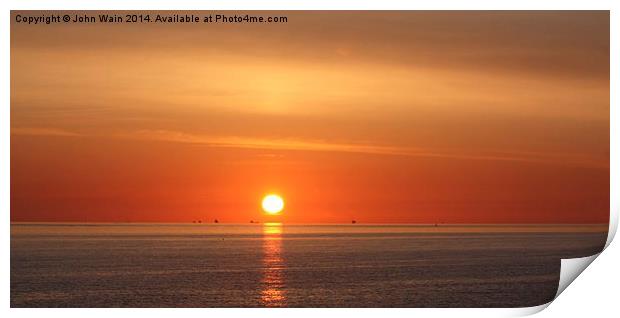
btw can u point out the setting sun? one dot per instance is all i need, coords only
(273, 204)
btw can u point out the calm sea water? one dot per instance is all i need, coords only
(256, 265)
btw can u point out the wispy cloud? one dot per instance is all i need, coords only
(39, 131)
(320, 145)
(265, 143)
(574, 159)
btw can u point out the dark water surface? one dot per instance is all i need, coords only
(227, 265)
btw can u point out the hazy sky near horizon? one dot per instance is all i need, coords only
(426, 117)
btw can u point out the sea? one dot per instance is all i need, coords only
(292, 265)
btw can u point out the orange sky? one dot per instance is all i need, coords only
(475, 117)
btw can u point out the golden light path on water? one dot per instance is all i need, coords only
(272, 292)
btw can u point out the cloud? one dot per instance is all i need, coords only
(38, 131)
(574, 159)
(320, 145)
(574, 44)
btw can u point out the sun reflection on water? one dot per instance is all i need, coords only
(272, 293)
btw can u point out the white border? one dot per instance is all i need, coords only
(7, 5)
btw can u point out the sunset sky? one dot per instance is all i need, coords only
(406, 117)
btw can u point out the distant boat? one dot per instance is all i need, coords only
(216, 221)
(353, 222)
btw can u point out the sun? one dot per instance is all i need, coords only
(273, 204)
